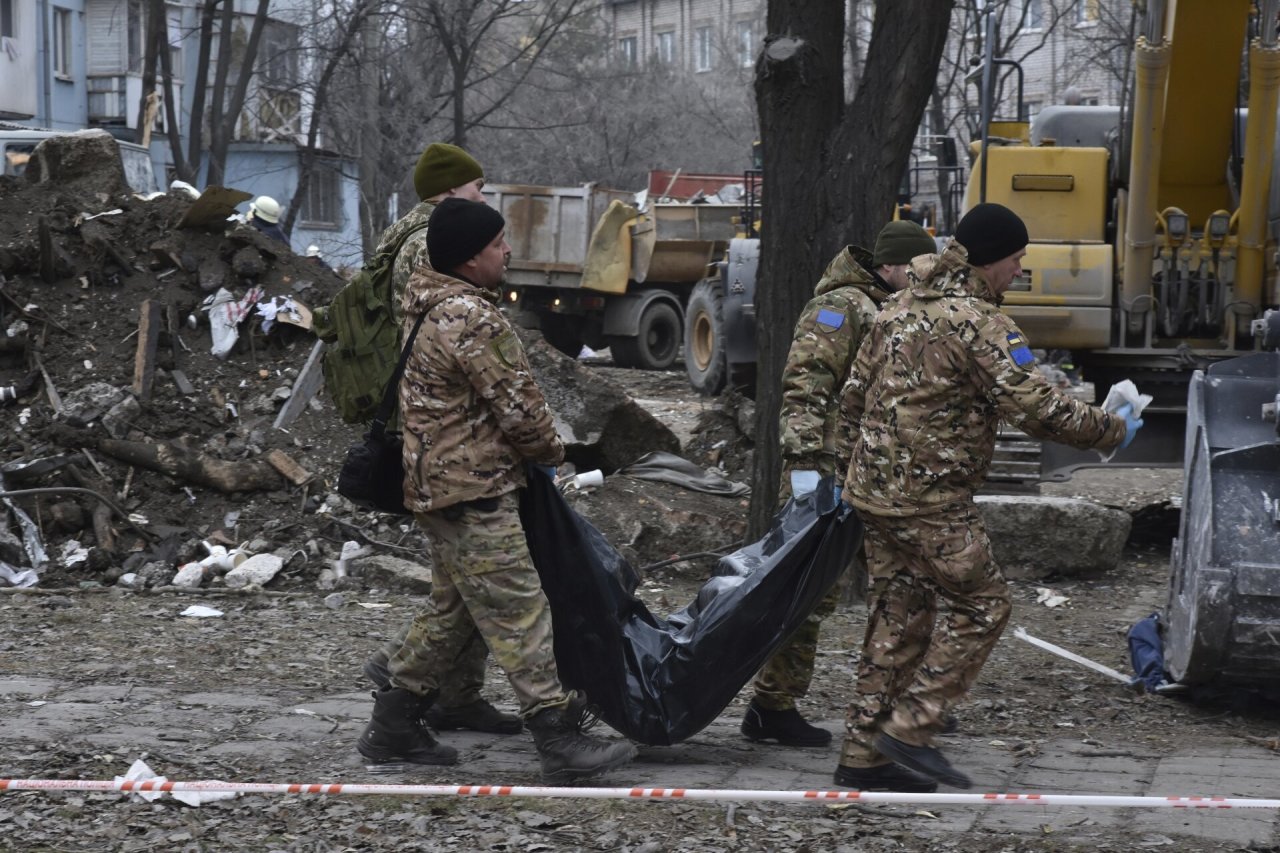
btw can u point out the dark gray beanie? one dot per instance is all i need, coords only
(991, 232)
(458, 229)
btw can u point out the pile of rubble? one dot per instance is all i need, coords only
(163, 424)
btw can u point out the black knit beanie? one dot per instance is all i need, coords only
(991, 232)
(458, 229)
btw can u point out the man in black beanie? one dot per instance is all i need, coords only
(940, 367)
(473, 417)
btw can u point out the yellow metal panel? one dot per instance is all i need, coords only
(1204, 72)
(1076, 215)
(1065, 274)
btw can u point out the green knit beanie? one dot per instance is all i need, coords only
(900, 241)
(443, 167)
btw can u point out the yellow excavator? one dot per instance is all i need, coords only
(1152, 250)
(1153, 257)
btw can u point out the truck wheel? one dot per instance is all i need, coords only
(657, 342)
(704, 357)
(563, 333)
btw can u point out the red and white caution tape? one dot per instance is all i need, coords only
(334, 788)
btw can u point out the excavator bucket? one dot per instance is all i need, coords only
(1223, 616)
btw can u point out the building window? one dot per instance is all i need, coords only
(627, 51)
(1086, 11)
(746, 44)
(280, 55)
(133, 36)
(665, 47)
(322, 205)
(1033, 14)
(702, 49)
(62, 42)
(8, 29)
(279, 102)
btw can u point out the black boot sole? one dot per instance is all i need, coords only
(916, 758)
(764, 737)
(570, 774)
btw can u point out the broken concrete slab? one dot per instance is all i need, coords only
(1034, 536)
(88, 160)
(258, 570)
(386, 570)
(601, 426)
(87, 404)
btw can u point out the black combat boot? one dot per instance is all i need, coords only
(885, 777)
(786, 727)
(477, 716)
(926, 760)
(397, 733)
(568, 755)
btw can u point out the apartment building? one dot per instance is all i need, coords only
(72, 64)
(695, 35)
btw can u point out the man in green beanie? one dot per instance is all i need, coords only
(826, 339)
(443, 171)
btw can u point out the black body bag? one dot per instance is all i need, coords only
(372, 474)
(660, 681)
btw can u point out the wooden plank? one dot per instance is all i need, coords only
(290, 470)
(309, 380)
(144, 361)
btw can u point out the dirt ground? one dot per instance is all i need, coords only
(158, 670)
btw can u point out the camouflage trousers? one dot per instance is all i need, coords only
(461, 684)
(912, 672)
(483, 582)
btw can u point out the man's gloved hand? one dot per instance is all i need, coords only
(803, 482)
(549, 470)
(1132, 423)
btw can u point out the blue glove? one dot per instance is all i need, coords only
(549, 470)
(803, 482)
(1132, 423)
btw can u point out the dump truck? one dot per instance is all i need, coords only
(589, 266)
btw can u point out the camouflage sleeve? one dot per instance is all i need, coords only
(412, 255)
(816, 368)
(494, 360)
(1005, 365)
(853, 399)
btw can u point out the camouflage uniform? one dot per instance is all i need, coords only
(462, 686)
(472, 416)
(940, 367)
(413, 253)
(826, 339)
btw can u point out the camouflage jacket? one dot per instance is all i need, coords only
(825, 342)
(471, 411)
(939, 368)
(412, 254)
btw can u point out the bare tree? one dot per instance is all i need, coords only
(832, 166)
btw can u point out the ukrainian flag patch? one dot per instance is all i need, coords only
(829, 320)
(1018, 350)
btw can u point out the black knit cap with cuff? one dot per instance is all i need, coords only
(991, 232)
(458, 230)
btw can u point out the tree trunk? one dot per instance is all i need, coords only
(831, 169)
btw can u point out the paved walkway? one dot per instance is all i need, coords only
(311, 741)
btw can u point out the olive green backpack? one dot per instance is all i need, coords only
(363, 337)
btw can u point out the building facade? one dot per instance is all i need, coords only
(74, 64)
(696, 35)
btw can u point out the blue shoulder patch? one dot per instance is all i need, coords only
(830, 320)
(1019, 351)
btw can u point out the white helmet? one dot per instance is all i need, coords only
(266, 208)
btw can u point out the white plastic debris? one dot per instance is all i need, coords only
(73, 553)
(139, 772)
(1049, 597)
(21, 578)
(199, 611)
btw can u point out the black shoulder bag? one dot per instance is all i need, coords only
(372, 475)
